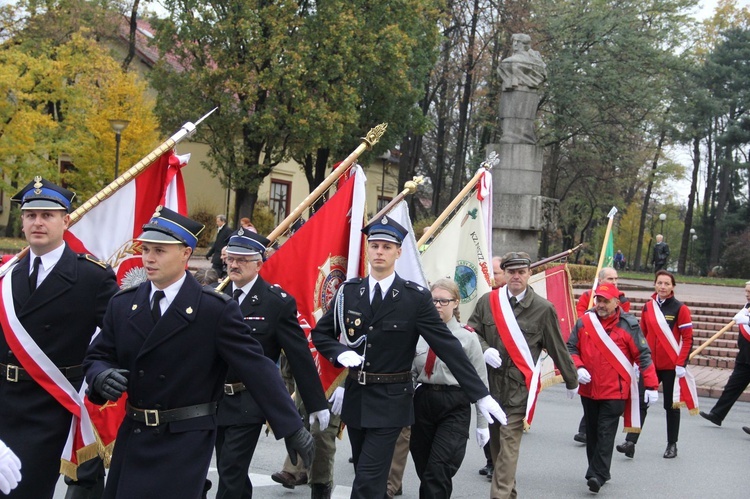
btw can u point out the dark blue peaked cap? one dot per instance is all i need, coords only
(247, 242)
(385, 229)
(40, 194)
(169, 227)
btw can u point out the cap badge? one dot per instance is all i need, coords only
(157, 213)
(384, 220)
(241, 232)
(38, 184)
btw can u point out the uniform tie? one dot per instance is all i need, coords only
(236, 295)
(377, 299)
(155, 307)
(513, 301)
(34, 274)
(429, 365)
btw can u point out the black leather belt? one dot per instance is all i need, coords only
(15, 374)
(442, 388)
(368, 378)
(153, 417)
(232, 388)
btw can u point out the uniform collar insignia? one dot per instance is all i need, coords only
(361, 291)
(394, 293)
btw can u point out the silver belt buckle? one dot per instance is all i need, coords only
(229, 389)
(362, 377)
(154, 419)
(11, 373)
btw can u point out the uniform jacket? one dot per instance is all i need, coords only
(680, 322)
(222, 238)
(180, 361)
(606, 383)
(271, 314)
(538, 320)
(406, 314)
(583, 303)
(61, 316)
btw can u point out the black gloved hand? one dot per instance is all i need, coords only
(302, 443)
(112, 383)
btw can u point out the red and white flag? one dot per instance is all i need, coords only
(108, 231)
(323, 253)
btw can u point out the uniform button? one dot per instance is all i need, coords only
(141, 373)
(137, 430)
(394, 326)
(367, 363)
(369, 345)
(10, 354)
(370, 328)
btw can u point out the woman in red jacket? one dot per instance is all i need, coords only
(662, 317)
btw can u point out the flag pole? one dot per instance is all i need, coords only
(602, 254)
(410, 187)
(187, 130)
(485, 166)
(368, 141)
(713, 338)
(555, 257)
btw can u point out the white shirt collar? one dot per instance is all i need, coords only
(385, 284)
(170, 292)
(245, 289)
(519, 297)
(49, 259)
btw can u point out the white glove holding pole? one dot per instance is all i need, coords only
(483, 436)
(492, 358)
(491, 410)
(742, 318)
(583, 376)
(337, 400)
(679, 371)
(10, 469)
(350, 358)
(651, 397)
(323, 417)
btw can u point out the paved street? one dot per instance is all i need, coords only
(712, 461)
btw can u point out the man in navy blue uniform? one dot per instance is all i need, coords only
(167, 343)
(380, 318)
(271, 314)
(59, 298)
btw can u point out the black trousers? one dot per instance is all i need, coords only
(372, 453)
(438, 439)
(602, 419)
(666, 378)
(736, 384)
(235, 446)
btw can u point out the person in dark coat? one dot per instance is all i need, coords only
(271, 314)
(167, 343)
(380, 318)
(222, 238)
(59, 299)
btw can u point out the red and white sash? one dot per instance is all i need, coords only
(619, 363)
(518, 349)
(685, 393)
(81, 444)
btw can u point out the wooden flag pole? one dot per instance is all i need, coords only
(611, 216)
(712, 338)
(555, 257)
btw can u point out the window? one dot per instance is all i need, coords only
(279, 199)
(383, 201)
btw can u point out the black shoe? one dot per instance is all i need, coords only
(485, 470)
(351, 459)
(594, 484)
(206, 487)
(490, 473)
(580, 438)
(399, 492)
(711, 417)
(321, 490)
(746, 429)
(627, 448)
(671, 451)
(287, 480)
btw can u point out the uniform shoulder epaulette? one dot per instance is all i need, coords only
(92, 259)
(126, 290)
(415, 285)
(468, 328)
(277, 290)
(355, 280)
(216, 293)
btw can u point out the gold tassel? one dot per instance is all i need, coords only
(695, 411)
(631, 429)
(554, 380)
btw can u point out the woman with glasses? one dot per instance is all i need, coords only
(441, 409)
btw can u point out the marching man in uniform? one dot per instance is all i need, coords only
(52, 302)
(380, 318)
(167, 343)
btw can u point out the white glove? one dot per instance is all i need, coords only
(337, 400)
(10, 469)
(741, 317)
(679, 371)
(491, 410)
(637, 371)
(651, 397)
(323, 417)
(350, 358)
(483, 436)
(572, 392)
(583, 376)
(492, 358)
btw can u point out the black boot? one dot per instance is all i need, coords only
(206, 487)
(76, 491)
(321, 490)
(671, 451)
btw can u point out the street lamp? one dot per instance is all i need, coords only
(693, 237)
(118, 126)
(662, 217)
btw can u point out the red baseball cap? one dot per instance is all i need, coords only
(607, 291)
